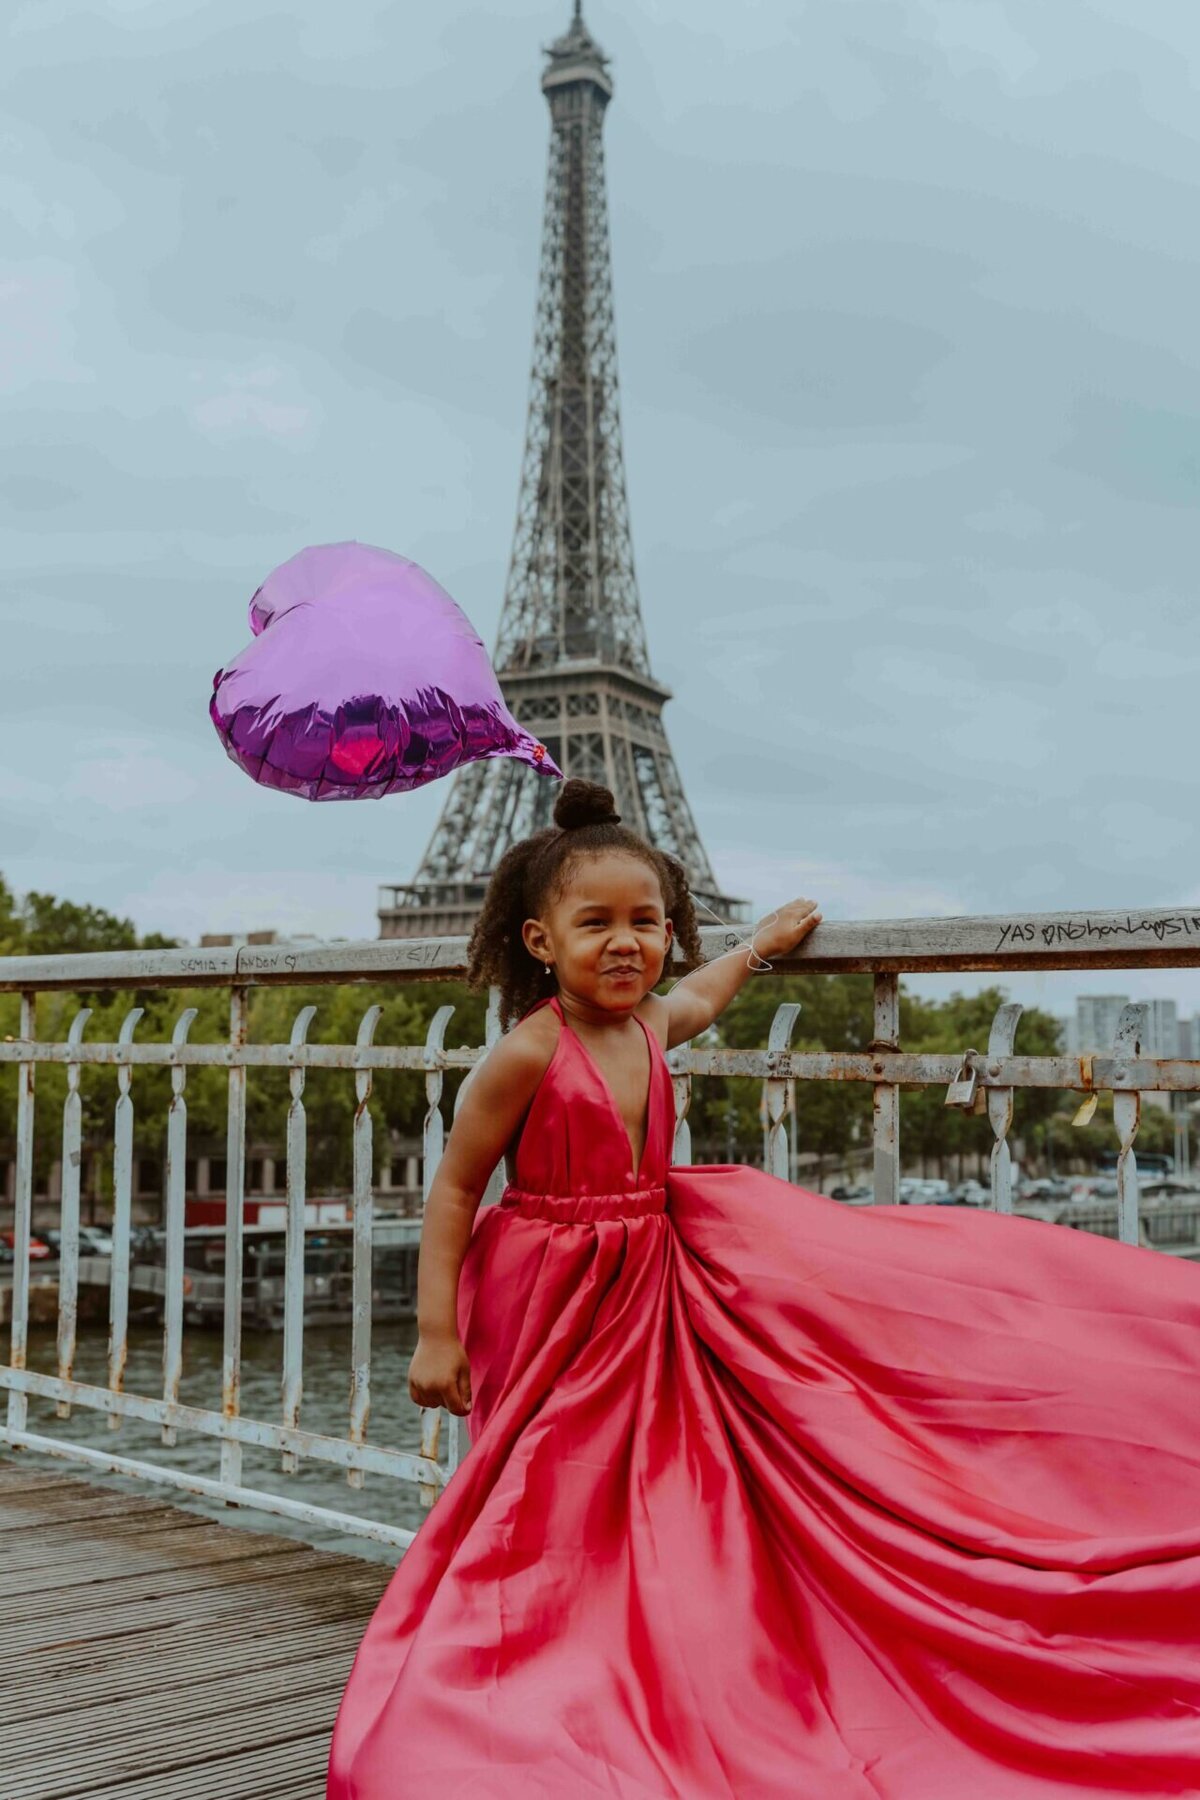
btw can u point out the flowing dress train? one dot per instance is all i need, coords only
(772, 1498)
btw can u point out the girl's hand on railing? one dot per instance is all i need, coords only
(787, 926)
(440, 1375)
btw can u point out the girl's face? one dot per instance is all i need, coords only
(606, 932)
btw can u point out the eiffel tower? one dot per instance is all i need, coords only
(571, 651)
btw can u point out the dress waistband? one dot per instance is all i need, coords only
(585, 1209)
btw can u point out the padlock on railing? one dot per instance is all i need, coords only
(961, 1092)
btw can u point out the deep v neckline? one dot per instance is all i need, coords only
(634, 1166)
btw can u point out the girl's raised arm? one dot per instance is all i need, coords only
(699, 998)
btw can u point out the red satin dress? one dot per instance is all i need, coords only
(772, 1498)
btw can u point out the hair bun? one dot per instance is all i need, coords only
(584, 803)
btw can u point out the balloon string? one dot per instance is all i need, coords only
(758, 964)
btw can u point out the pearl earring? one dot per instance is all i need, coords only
(547, 967)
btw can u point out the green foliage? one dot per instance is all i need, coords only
(836, 1013)
(397, 1096)
(928, 1128)
(59, 927)
(12, 933)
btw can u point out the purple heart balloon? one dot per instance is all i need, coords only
(364, 678)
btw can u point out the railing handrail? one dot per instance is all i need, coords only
(1137, 938)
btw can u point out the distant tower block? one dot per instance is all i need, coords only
(571, 652)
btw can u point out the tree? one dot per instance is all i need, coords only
(928, 1126)
(12, 926)
(836, 1013)
(61, 927)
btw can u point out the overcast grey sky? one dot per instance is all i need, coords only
(906, 297)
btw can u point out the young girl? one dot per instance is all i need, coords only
(768, 1498)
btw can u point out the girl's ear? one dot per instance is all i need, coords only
(670, 925)
(536, 940)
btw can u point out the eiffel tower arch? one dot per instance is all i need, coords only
(571, 650)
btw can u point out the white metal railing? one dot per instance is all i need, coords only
(977, 1081)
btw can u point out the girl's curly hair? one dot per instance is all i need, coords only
(585, 823)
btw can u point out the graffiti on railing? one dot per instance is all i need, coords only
(1074, 931)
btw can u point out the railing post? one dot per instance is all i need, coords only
(681, 1083)
(431, 1432)
(886, 1094)
(363, 1215)
(492, 1035)
(433, 1140)
(68, 1243)
(118, 1291)
(1127, 1113)
(434, 1133)
(1182, 1146)
(235, 1183)
(175, 1211)
(18, 1405)
(293, 1240)
(775, 1092)
(1001, 1040)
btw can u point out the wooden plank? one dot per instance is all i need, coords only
(66, 1498)
(311, 1589)
(135, 1662)
(291, 1771)
(51, 1546)
(81, 1597)
(296, 1596)
(23, 1512)
(203, 1715)
(16, 1478)
(147, 1556)
(166, 1743)
(63, 1682)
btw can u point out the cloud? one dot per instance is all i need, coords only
(39, 303)
(1144, 453)
(246, 403)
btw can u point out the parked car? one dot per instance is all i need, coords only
(914, 1192)
(92, 1241)
(39, 1249)
(1055, 1187)
(855, 1192)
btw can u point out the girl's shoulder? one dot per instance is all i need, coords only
(520, 1058)
(655, 1014)
(533, 1036)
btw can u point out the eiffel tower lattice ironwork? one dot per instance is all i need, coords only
(571, 651)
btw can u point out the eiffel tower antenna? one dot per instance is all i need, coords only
(571, 649)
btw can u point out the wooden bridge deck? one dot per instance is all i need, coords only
(148, 1654)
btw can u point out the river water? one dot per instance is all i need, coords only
(394, 1422)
